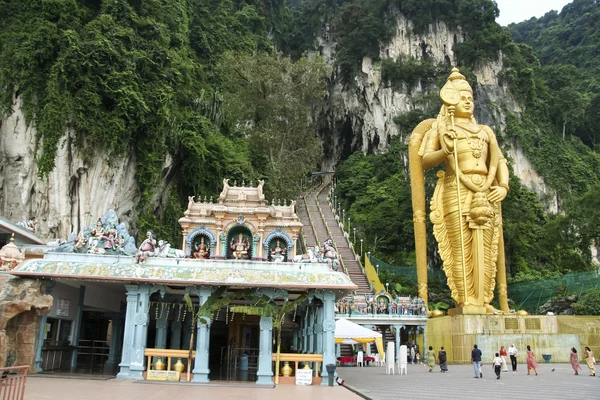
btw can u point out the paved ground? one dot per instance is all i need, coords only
(41, 388)
(459, 383)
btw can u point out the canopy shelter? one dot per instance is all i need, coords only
(346, 330)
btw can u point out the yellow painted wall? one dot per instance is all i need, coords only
(553, 335)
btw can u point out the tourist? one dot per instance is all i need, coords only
(413, 354)
(590, 360)
(503, 357)
(575, 361)
(476, 359)
(430, 355)
(497, 365)
(531, 364)
(512, 352)
(442, 360)
(418, 357)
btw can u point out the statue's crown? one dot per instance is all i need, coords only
(456, 82)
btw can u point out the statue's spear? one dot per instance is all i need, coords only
(460, 230)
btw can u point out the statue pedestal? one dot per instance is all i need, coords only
(467, 310)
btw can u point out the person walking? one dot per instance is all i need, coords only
(497, 365)
(412, 354)
(590, 360)
(531, 364)
(575, 361)
(503, 357)
(442, 360)
(430, 357)
(512, 352)
(476, 360)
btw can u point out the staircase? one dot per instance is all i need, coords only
(316, 209)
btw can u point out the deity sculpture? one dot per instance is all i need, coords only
(201, 250)
(465, 207)
(30, 224)
(330, 255)
(278, 253)
(97, 234)
(240, 247)
(147, 248)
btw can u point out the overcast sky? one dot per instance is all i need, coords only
(521, 10)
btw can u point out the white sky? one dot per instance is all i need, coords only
(521, 10)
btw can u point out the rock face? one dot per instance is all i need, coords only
(358, 117)
(79, 189)
(361, 117)
(21, 305)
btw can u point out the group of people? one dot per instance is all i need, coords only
(588, 355)
(499, 362)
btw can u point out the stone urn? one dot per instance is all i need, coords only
(179, 366)
(286, 370)
(159, 365)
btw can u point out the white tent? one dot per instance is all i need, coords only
(345, 330)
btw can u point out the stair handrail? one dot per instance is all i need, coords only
(351, 246)
(308, 213)
(329, 232)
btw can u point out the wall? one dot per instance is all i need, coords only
(553, 335)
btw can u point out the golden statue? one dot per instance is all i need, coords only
(465, 208)
(201, 250)
(240, 247)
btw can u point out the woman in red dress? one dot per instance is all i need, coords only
(575, 360)
(503, 357)
(531, 364)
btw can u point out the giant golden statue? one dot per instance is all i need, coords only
(465, 208)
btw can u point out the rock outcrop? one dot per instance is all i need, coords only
(21, 305)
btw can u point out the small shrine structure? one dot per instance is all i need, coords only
(240, 225)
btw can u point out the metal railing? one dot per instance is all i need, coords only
(12, 382)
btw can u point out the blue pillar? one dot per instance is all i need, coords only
(201, 367)
(319, 331)
(42, 331)
(338, 350)
(305, 336)
(265, 354)
(160, 338)
(311, 330)
(135, 332)
(115, 341)
(424, 351)
(176, 335)
(397, 328)
(295, 340)
(77, 328)
(328, 298)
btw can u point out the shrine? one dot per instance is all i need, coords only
(207, 310)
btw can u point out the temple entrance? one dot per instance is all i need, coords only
(239, 243)
(234, 348)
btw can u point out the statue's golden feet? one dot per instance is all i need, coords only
(490, 309)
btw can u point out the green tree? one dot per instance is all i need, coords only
(588, 304)
(268, 101)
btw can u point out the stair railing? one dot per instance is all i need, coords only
(312, 225)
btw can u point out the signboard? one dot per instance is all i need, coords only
(154, 375)
(304, 377)
(62, 307)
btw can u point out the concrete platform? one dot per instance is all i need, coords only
(42, 388)
(459, 383)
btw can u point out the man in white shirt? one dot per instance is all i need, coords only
(512, 352)
(497, 364)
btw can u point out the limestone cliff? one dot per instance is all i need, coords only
(355, 117)
(360, 116)
(80, 189)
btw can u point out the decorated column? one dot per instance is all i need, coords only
(176, 335)
(136, 332)
(160, 340)
(328, 298)
(201, 368)
(305, 334)
(77, 328)
(42, 332)
(265, 354)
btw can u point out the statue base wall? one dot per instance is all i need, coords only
(546, 334)
(467, 310)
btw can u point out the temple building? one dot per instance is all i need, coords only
(119, 307)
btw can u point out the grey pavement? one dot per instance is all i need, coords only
(459, 383)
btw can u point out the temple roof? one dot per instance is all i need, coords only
(188, 272)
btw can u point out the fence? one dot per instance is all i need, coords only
(531, 295)
(12, 382)
(408, 272)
